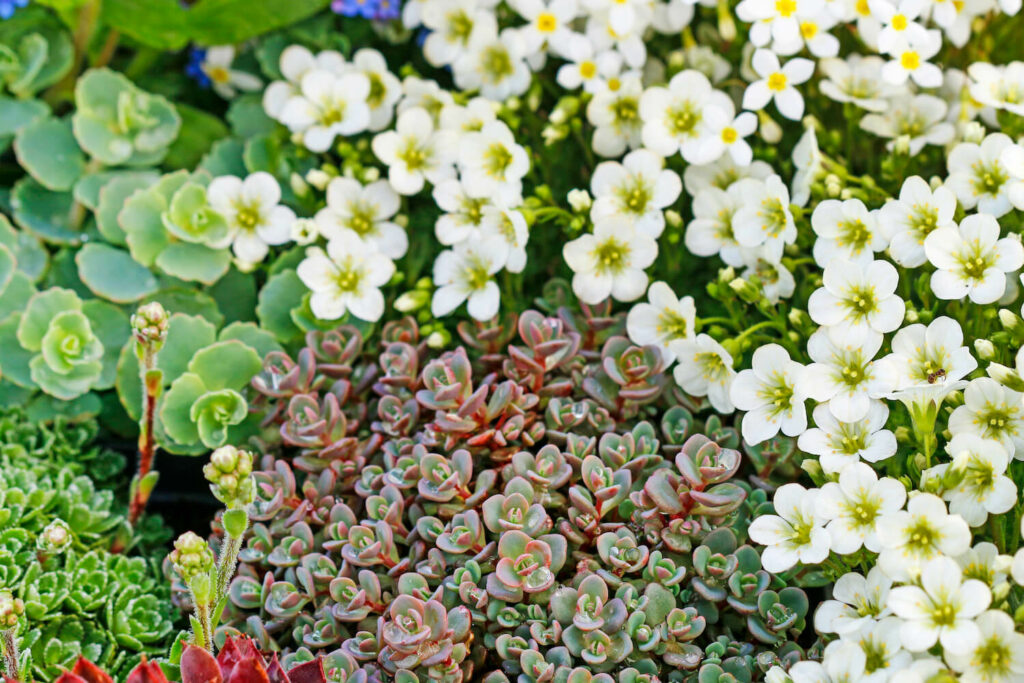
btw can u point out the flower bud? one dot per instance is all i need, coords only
(149, 325)
(55, 538)
(746, 290)
(673, 219)
(771, 132)
(579, 200)
(318, 178)
(986, 350)
(371, 175)
(901, 145)
(191, 556)
(304, 231)
(973, 132)
(11, 609)
(438, 339)
(412, 300)
(299, 186)
(230, 475)
(1011, 321)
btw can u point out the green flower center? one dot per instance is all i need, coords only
(944, 614)
(997, 420)
(779, 394)
(476, 276)
(921, 537)
(713, 366)
(635, 197)
(414, 157)
(361, 218)
(460, 26)
(974, 263)
(348, 279)
(876, 655)
(377, 90)
(683, 119)
(673, 326)
(247, 217)
(850, 439)
(625, 110)
(497, 159)
(924, 219)
(987, 179)
(863, 511)
(854, 234)
(496, 63)
(611, 255)
(332, 112)
(773, 216)
(994, 656)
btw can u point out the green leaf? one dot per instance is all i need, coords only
(15, 114)
(113, 274)
(43, 308)
(14, 358)
(64, 386)
(44, 212)
(251, 334)
(225, 158)
(112, 197)
(29, 253)
(199, 131)
(195, 262)
(140, 220)
(226, 365)
(214, 412)
(47, 149)
(160, 24)
(175, 413)
(235, 294)
(112, 326)
(16, 295)
(44, 408)
(8, 267)
(280, 294)
(248, 118)
(189, 301)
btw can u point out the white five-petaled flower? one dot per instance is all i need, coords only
(923, 531)
(981, 486)
(978, 176)
(727, 132)
(610, 261)
(493, 63)
(367, 211)
(705, 369)
(857, 80)
(919, 119)
(910, 60)
(932, 355)
(858, 297)
(665, 319)
(884, 656)
(327, 106)
(465, 273)
(992, 411)
(998, 656)
(854, 504)
(492, 165)
(414, 152)
(972, 261)
(856, 601)
(839, 444)
(772, 394)
(710, 231)
(844, 373)
(776, 83)
(347, 278)
(225, 80)
(615, 114)
(675, 117)
(846, 229)
(295, 62)
(639, 189)
(942, 609)
(795, 533)
(253, 212)
(915, 215)
(765, 217)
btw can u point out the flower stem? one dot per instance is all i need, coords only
(11, 655)
(226, 565)
(147, 443)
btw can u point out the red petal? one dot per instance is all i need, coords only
(199, 666)
(89, 672)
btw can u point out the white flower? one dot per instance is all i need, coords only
(615, 115)
(510, 226)
(795, 533)
(777, 21)
(465, 273)
(923, 531)
(776, 281)
(471, 118)
(346, 279)
(998, 656)
(839, 444)
(253, 212)
(492, 164)
(726, 132)
(610, 262)
(452, 24)
(385, 88)
(921, 118)
(765, 217)
(978, 177)
(992, 411)
(776, 83)
(304, 231)
(493, 63)
(665, 319)
(972, 261)
(328, 106)
(901, 30)
(929, 355)
(674, 117)
(912, 217)
(998, 85)
(843, 372)
(984, 563)
(855, 503)
(295, 62)
(464, 216)
(549, 26)
(414, 152)
(704, 369)
(983, 489)
(855, 296)
(424, 94)
(843, 661)
(911, 61)
(941, 610)
(710, 231)
(809, 164)
(880, 643)
(846, 229)
(592, 72)
(856, 602)
(365, 210)
(722, 174)
(638, 190)
(772, 394)
(226, 82)
(1012, 159)
(857, 80)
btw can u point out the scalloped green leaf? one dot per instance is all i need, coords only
(15, 114)
(113, 328)
(65, 386)
(280, 294)
(8, 266)
(176, 407)
(47, 149)
(226, 365)
(31, 256)
(14, 358)
(235, 294)
(194, 262)
(251, 335)
(16, 294)
(112, 274)
(225, 158)
(111, 198)
(44, 212)
(41, 309)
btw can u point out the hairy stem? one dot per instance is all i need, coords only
(147, 443)
(11, 655)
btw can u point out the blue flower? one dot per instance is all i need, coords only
(379, 10)
(194, 68)
(7, 7)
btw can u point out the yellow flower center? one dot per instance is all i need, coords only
(777, 81)
(899, 22)
(808, 29)
(910, 60)
(588, 69)
(785, 8)
(729, 135)
(546, 22)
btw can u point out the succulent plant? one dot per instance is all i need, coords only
(429, 516)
